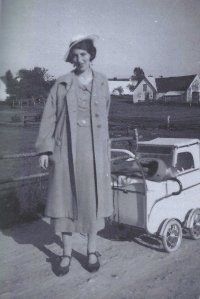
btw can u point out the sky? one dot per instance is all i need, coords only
(160, 36)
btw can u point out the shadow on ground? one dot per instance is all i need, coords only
(120, 232)
(41, 234)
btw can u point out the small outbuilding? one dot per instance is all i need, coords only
(120, 86)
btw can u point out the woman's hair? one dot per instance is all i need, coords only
(86, 45)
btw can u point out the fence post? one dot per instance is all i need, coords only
(128, 131)
(136, 139)
(168, 122)
(129, 134)
(136, 135)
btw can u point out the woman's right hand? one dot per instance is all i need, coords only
(44, 161)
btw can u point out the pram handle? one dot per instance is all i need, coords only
(124, 151)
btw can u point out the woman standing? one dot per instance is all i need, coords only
(74, 142)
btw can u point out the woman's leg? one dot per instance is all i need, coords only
(67, 248)
(92, 247)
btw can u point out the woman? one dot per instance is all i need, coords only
(74, 142)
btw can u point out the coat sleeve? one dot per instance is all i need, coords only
(45, 141)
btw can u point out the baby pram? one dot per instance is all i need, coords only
(150, 194)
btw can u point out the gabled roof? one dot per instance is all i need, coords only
(150, 80)
(181, 83)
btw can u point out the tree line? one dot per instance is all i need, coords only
(33, 84)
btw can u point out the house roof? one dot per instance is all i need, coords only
(180, 83)
(152, 81)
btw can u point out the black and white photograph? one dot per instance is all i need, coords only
(100, 149)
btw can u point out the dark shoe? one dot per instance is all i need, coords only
(61, 271)
(93, 267)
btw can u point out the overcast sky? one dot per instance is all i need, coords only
(160, 36)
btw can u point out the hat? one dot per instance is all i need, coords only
(78, 38)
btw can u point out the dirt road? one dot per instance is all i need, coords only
(133, 266)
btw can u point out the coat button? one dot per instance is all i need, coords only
(83, 121)
(97, 114)
(58, 142)
(96, 103)
(99, 126)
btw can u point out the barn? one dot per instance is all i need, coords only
(179, 89)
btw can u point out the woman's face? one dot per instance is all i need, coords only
(81, 59)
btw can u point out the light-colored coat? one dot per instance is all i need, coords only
(57, 137)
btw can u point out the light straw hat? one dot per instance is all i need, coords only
(78, 38)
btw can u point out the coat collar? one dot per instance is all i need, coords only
(67, 79)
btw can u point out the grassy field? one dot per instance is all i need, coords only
(150, 120)
(184, 119)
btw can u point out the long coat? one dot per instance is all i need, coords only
(57, 138)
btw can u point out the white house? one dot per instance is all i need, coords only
(3, 94)
(145, 90)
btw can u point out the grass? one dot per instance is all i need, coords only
(27, 198)
(124, 109)
(151, 119)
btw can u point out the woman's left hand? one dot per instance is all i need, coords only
(44, 161)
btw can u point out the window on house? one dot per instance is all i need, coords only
(144, 87)
(184, 161)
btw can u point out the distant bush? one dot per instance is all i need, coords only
(3, 103)
(16, 118)
(38, 116)
(118, 90)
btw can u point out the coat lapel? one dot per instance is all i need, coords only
(71, 102)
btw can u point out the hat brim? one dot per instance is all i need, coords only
(92, 37)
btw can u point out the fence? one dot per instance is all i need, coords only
(33, 119)
(189, 122)
(22, 197)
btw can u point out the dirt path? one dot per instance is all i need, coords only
(133, 266)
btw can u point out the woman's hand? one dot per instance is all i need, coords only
(44, 161)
